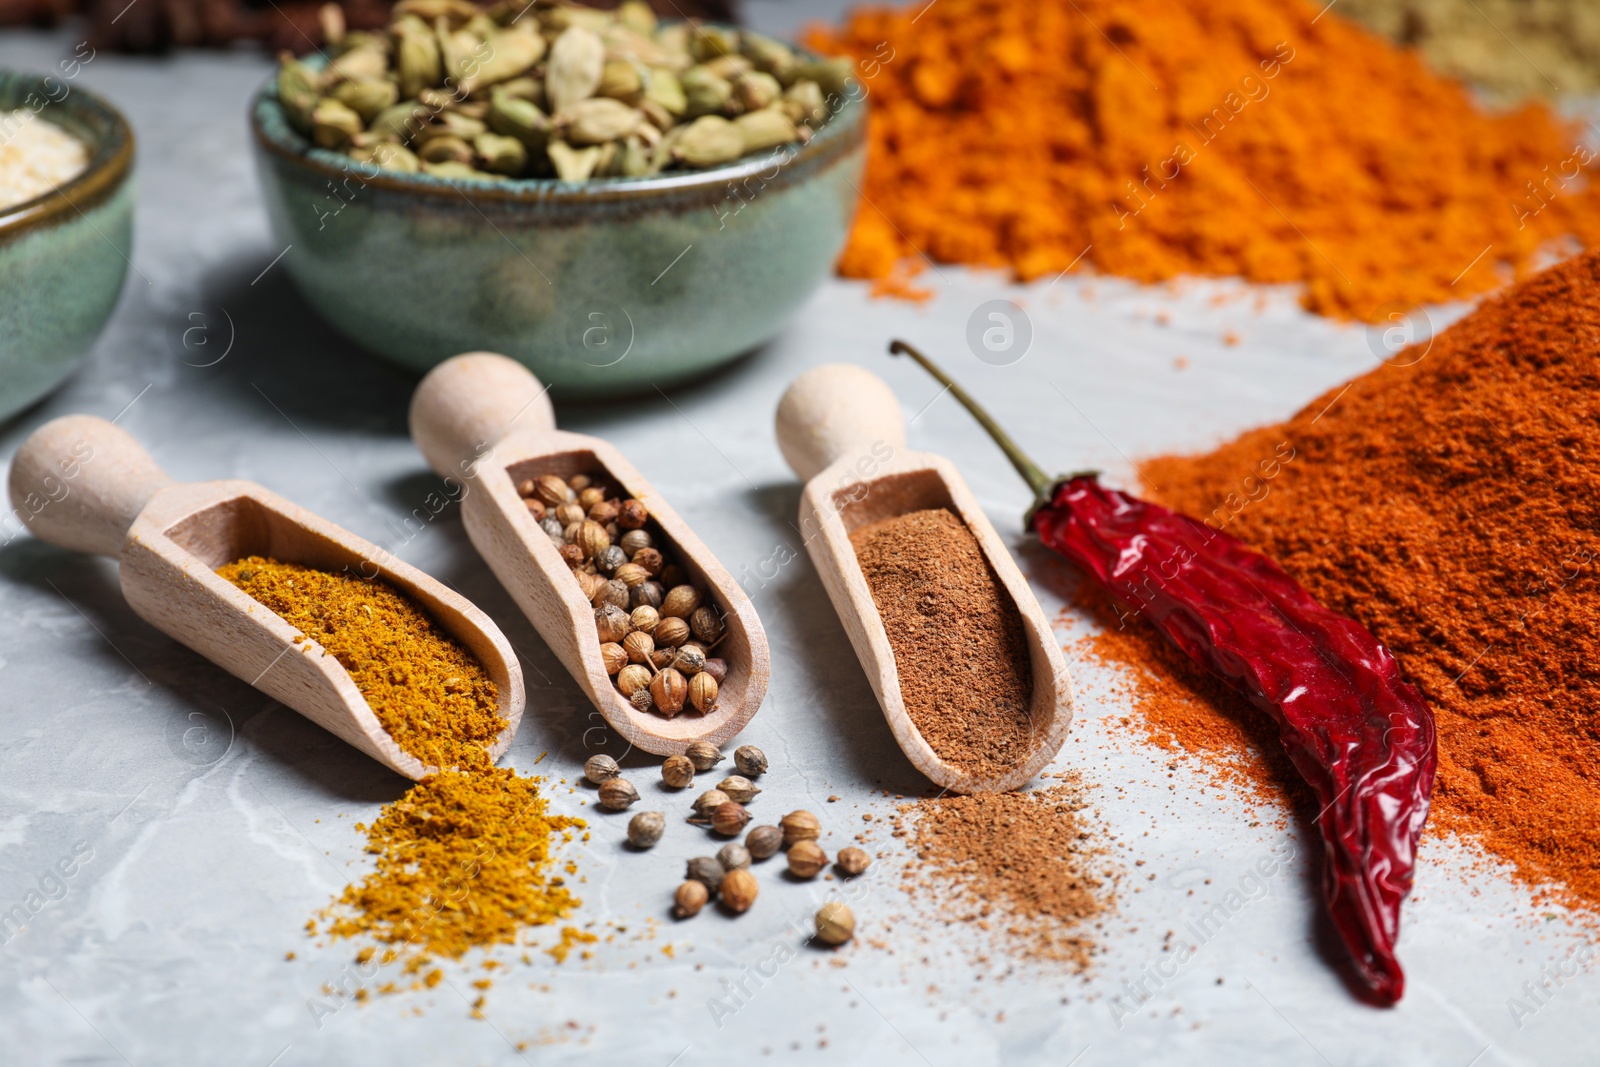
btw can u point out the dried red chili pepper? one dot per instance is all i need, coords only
(1358, 733)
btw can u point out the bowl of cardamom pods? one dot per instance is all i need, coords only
(619, 203)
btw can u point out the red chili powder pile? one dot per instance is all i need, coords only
(1269, 139)
(1448, 501)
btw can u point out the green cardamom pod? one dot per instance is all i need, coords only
(428, 10)
(446, 149)
(297, 92)
(573, 71)
(367, 97)
(388, 156)
(767, 128)
(755, 90)
(598, 121)
(709, 42)
(510, 53)
(705, 93)
(417, 56)
(709, 141)
(832, 75)
(573, 164)
(620, 80)
(517, 118)
(664, 89)
(333, 124)
(773, 57)
(400, 122)
(803, 103)
(637, 158)
(501, 155)
(358, 64)
(523, 88)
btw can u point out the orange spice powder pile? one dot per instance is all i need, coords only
(1447, 501)
(1267, 139)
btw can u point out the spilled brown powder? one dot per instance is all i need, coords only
(1021, 866)
(965, 673)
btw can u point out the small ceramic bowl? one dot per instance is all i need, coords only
(63, 255)
(604, 287)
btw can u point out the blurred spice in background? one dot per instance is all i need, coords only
(1269, 139)
(1513, 47)
(1446, 501)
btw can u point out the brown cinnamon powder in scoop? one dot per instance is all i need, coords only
(958, 644)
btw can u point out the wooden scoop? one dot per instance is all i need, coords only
(82, 483)
(840, 429)
(484, 421)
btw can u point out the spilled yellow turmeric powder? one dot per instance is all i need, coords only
(465, 858)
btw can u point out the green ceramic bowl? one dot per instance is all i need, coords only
(63, 255)
(605, 287)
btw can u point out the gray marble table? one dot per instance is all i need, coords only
(203, 824)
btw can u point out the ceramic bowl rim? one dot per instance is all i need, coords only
(839, 133)
(110, 163)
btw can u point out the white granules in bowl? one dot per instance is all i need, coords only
(36, 156)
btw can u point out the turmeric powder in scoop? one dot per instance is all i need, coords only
(429, 693)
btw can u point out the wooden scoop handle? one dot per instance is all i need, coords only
(469, 403)
(79, 482)
(836, 410)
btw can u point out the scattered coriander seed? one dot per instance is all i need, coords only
(591, 584)
(717, 669)
(645, 829)
(733, 856)
(806, 859)
(764, 841)
(852, 861)
(631, 574)
(635, 541)
(579, 482)
(648, 594)
(608, 561)
(552, 528)
(729, 818)
(612, 594)
(704, 755)
(671, 576)
(689, 661)
(651, 560)
(708, 802)
(670, 690)
(572, 556)
(611, 623)
(604, 512)
(632, 515)
(677, 772)
(644, 619)
(526, 488)
(570, 514)
(590, 495)
(680, 602)
(551, 490)
(614, 656)
(600, 768)
(800, 826)
(535, 509)
(632, 679)
(706, 624)
(641, 700)
(703, 692)
(836, 923)
(739, 788)
(751, 761)
(707, 871)
(739, 890)
(617, 794)
(670, 632)
(637, 646)
(689, 899)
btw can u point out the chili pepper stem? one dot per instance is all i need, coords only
(1042, 484)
